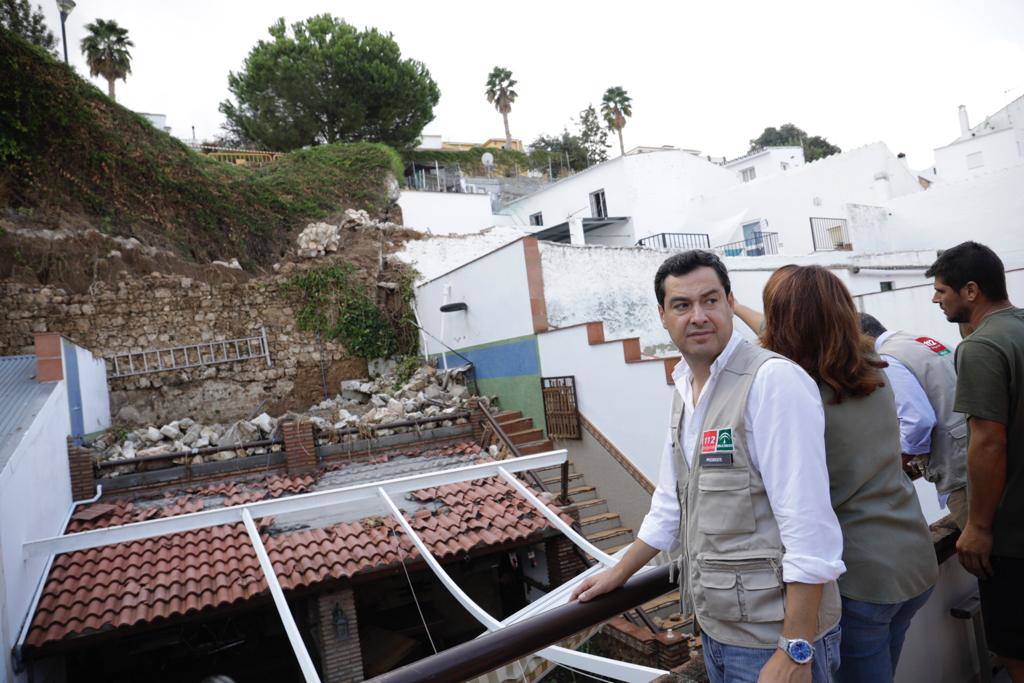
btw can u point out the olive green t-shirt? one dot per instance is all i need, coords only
(989, 386)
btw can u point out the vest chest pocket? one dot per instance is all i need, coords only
(748, 589)
(723, 502)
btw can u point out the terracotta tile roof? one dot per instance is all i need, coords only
(127, 584)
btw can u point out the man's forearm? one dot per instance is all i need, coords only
(638, 555)
(802, 601)
(986, 477)
(753, 319)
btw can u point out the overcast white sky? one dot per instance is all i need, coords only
(703, 75)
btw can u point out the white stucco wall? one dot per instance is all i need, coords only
(628, 402)
(786, 202)
(987, 208)
(92, 375)
(768, 162)
(616, 286)
(445, 213)
(495, 290)
(439, 254)
(999, 149)
(910, 309)
(939, 648)
(35, 495)
(653, 189)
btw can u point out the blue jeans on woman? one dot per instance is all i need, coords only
(734, 664)
(873, 636)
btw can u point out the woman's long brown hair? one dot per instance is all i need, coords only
(809, 317)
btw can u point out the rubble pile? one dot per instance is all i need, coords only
(358, 411)
(321, 238)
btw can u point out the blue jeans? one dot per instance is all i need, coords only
(734, 664)
(873, 637)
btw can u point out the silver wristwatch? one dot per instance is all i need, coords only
(798, 649)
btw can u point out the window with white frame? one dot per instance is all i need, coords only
(537, 218)
(748, 174)
(975, 160)
(598, 205)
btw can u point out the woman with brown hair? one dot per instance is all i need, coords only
(810, 318)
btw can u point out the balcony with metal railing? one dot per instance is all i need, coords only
(676, 240)
(757, 244)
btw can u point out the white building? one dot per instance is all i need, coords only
(767, 162)
(994, 144)
(622, 200)
(59, 391)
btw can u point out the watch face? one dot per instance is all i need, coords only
(801, 651)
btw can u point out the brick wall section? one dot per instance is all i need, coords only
(563, 561)
(49, 359)
(161, 311)
(341, 659)
(299, 446)
(80, 467)
(629, 642)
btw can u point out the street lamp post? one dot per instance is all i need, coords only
(65, 7)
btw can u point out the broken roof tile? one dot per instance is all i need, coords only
(138, 582)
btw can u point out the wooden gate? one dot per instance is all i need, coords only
(560, 408)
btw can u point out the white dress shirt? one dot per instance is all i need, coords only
(785, 426)
(917, 417)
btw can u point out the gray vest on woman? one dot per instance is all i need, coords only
(932, 365)
(887, 547)
(732, 551)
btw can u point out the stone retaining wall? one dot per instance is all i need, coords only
(159, 311)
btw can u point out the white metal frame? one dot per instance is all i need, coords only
(364, 492)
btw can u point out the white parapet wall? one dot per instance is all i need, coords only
(445, 213)
(628, 402)
(35, 495)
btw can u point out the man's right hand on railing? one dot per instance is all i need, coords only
(637, 556)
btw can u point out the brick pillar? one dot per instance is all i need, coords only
(341, 658)
(80, 466)
(299, 447)
(563, 562)
(49, 360)
(673, 652)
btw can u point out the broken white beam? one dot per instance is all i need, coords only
(581, 542)
(622, 671)
(281, 506)
(294, 637)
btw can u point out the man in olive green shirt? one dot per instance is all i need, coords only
(970, 287)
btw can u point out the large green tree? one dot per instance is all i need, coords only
(616, 107)
(18, 17)
(106, 52)
(560, 155)
(326, 81)
(500, 93)
(814, 146)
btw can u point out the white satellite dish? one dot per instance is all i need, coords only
(488, 159)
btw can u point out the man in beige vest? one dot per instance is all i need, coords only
(743, 493)
(923, 378)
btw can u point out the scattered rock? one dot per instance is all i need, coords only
(171, 431)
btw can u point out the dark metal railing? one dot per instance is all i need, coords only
(830, 234)
(758, 244)
(496, 649)
(676, 240)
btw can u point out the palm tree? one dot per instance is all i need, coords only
(616, 107)
(106, 52)
(500, 93)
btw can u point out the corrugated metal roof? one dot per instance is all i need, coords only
(21, 399)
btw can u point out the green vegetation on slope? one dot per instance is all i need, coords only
(66, 149)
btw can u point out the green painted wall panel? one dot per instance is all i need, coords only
(521, 393)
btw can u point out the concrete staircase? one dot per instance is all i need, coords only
(605, 529)
(527, 438)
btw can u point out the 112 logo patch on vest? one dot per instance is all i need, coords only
(934, 346)
(716, 448)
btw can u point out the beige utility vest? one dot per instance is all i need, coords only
(731, 548)
(933, 366)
